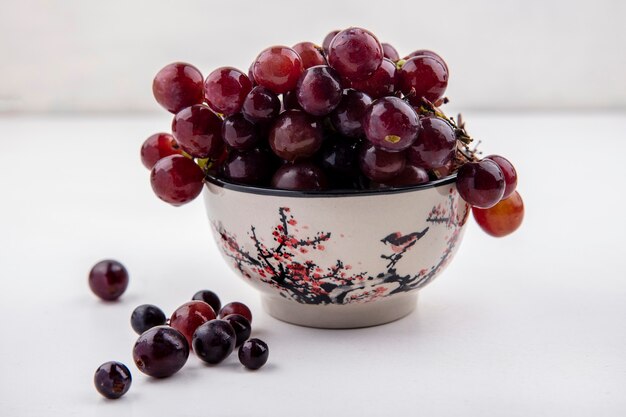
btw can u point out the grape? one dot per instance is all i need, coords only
(176, 179)
(225, 89)
(290, 101)
(278, 68)
(510, 174)
(436, 144)
(208, 297)
(241, 326)
(390, 52)
(253, 354)
(310, 53)
(319, 90)
(260, 105)
(380, 165)
(178, 85)
(295, 135)
(158, 146)
(112, 379)
(328, 39)
(426, 52)
(108, 279)
(347, 116)
(302, 176)
(410, 175)
(423, 76)
(502, 219)
(236, 307)
(160, 352)
(198, 131)
(239, 133)
(146, 316)
(253, 167)
(189, 316)
(339, 159)
(391, 124)
(213, 341)
(480, 183)
(251, 75)
(355, 53)
(381, 83)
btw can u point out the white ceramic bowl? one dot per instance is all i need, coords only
(337, 259)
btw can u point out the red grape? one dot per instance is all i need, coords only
(423, 76)
(426, 52)
(328, 39)
(510, 174)
(435, 145)
(301, 176)
(381, 83)
(391, 124)
(380, 165)
(236, 307)
(390, 52)
(410, 175)
(254, 167)
(355, 53)
(251, 75)
(295, 135)
(348, 115)
(225, 89)
(208, 297)
(290, 101)
(198, 131)
(112, 379)
(158, 146)
(108, 279)
(253, 354)
(278, 68)
(260, 105)
(502, 219)
(239, 133)
(178, 85)
(189, 316)
(161, 352)
(310, 53)
(176, 179)
(214, 340)
(480, 183)
(319, 90)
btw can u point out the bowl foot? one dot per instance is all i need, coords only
(335, 316)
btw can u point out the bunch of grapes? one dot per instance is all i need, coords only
(349, 114)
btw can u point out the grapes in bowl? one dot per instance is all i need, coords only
(334, 181)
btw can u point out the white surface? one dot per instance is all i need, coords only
(531, 325)
(60, 55)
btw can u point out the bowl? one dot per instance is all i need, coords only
(337, 259)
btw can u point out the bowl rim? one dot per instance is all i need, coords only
(250, 189)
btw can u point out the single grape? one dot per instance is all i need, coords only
(253, 354)
(236, 307)
(146, 316)
(214, 340)
(241, 326)
(435, 145)
(225, 89)
(390, 52)
(310, 53)
(176, 179)
(423, 76)
(381, 83)
(198, 131)
(189, 316)
(502, 219)
(160, 352)
(355, 53)
(112, 379)
(278, 68)
(348, 115)
(391, 124)
(208, 297)
(300, 176)
(108, 279)
(426, 52)
(319, 90)
(178, 85)
(339, 159)
(380, 165)
(158, 146)
(253, 167)
(290, 101)
(480, 183)
(260, 105)
(409, 176)
(328, 39)
(510, 174)
(239, 133)
(295, 135)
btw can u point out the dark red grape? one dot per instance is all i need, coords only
(161, 352)
(158, 146)
(236, 307)
(189, 316)
(338, 158)
(300, 176)
(239, 133)
(198, 131)
(348, 115)
(380, 165)
(328, 39)
(146, 316)
(390, 52)
(355, 53)
(253, 354)
(213, 341)
(290, 101)
(423, 76)
(391, 124)
(178, 85)
(481, 183)
(510, 174)
(260, 105)
(410, 175)
(319, 90)
(295, 135)
(278, 68)
(426, 52)
(253, 167)
(112, 379)
(502, 219)
(241, 326)
(225, 89)
(176, 179)
(108, 279)
(381, 83)
(310, 53)
(435, 145)
(208, 297)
